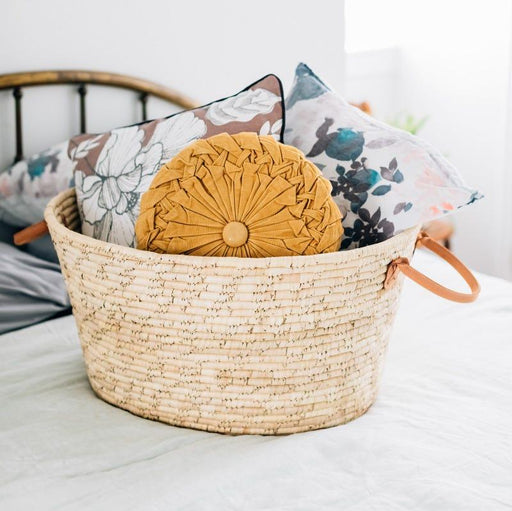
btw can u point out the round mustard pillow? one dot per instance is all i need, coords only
(239, 195)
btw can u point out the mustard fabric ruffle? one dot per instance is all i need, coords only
(243, 195)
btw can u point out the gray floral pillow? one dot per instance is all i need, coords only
(384, 180)
(27, 186)
(113, 170)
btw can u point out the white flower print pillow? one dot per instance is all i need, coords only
(114, 169)
(384, 179)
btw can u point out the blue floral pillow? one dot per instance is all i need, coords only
(383, 179)
(27, 186)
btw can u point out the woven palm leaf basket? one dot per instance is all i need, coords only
(233, 345)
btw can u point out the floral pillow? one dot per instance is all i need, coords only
(27, 186)
(113, 169)
(384, 179)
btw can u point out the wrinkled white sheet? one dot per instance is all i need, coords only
(438, 438)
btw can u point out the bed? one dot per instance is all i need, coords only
(439, 436)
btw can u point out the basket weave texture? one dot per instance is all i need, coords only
(233, 345)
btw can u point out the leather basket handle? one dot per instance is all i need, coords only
(30, 233)
(402, 264)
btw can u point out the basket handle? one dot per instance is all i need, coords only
(30, 233)
(402, 264)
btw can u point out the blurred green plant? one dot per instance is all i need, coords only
(408, 122)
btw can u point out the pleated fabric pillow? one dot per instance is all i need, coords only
(243, 196)
(384, 179)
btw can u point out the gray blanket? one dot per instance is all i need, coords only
(31, 289)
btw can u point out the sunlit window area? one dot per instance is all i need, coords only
(442, 70)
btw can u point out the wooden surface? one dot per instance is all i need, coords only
(440, 230)
(29, 79)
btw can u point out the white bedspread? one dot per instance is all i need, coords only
(438, 438)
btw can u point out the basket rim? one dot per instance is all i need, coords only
(253, 262)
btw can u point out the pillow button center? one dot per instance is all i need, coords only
(235, 234)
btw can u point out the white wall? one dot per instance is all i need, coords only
(454, 67)
(205, 49)
(374, 76)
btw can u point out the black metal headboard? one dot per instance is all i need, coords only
(144, 88)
